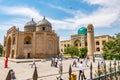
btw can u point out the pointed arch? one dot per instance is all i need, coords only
(8, 47)
(77, 43)
(27, 40)
(51, 43)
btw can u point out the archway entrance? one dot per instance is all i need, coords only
(8, 47)
(77, 43)
(28, 55)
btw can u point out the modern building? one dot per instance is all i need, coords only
(38, 40)
(85, 38)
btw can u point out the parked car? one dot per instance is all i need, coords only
(98, 55)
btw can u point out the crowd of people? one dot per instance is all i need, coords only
(57, 63)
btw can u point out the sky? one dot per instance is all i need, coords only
(66, 16)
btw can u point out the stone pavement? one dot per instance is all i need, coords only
(23, 70)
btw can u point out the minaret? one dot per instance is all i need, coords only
(90, 40)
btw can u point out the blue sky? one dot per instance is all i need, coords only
(66, 16)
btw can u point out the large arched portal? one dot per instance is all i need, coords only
(77, 43)
(8, 47)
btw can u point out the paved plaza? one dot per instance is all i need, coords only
(23, 70)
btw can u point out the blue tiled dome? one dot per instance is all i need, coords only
(82, 30)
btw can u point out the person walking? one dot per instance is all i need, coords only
(102, 62)
(78, 59)
(52, 62)
(56, 61)
(81, 71)
(60, 65)
(12, 73)
(74, 62)
(6, 63)
(33, 64)
(86, 61)
(114, 60)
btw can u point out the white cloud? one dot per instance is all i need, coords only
(106, 15)
(21, 11)
(69, 10)
(24, 12)
(18, 22)
(100, 18)
(106, 3)
(59, 24)
(64, 38)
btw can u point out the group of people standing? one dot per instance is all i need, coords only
(75, 60)
(55, 62)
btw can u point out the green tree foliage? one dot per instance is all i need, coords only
(72, 50)
(1, 49)
(108, 50)
(83, 52)
(111, 49)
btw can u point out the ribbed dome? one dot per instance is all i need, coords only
(30, 24)
(82, 30)
(44, 22)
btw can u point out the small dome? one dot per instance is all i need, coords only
(44, 22)
(82, 30)
(30, 24)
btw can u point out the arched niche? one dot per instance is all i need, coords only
(27, 40)
(77, 43)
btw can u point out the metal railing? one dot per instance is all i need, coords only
(112, 73)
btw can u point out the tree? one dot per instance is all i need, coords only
(1, 49)
(72, 50)
(108, 50)
(83, 52)
(117, 46)
(111, 49)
